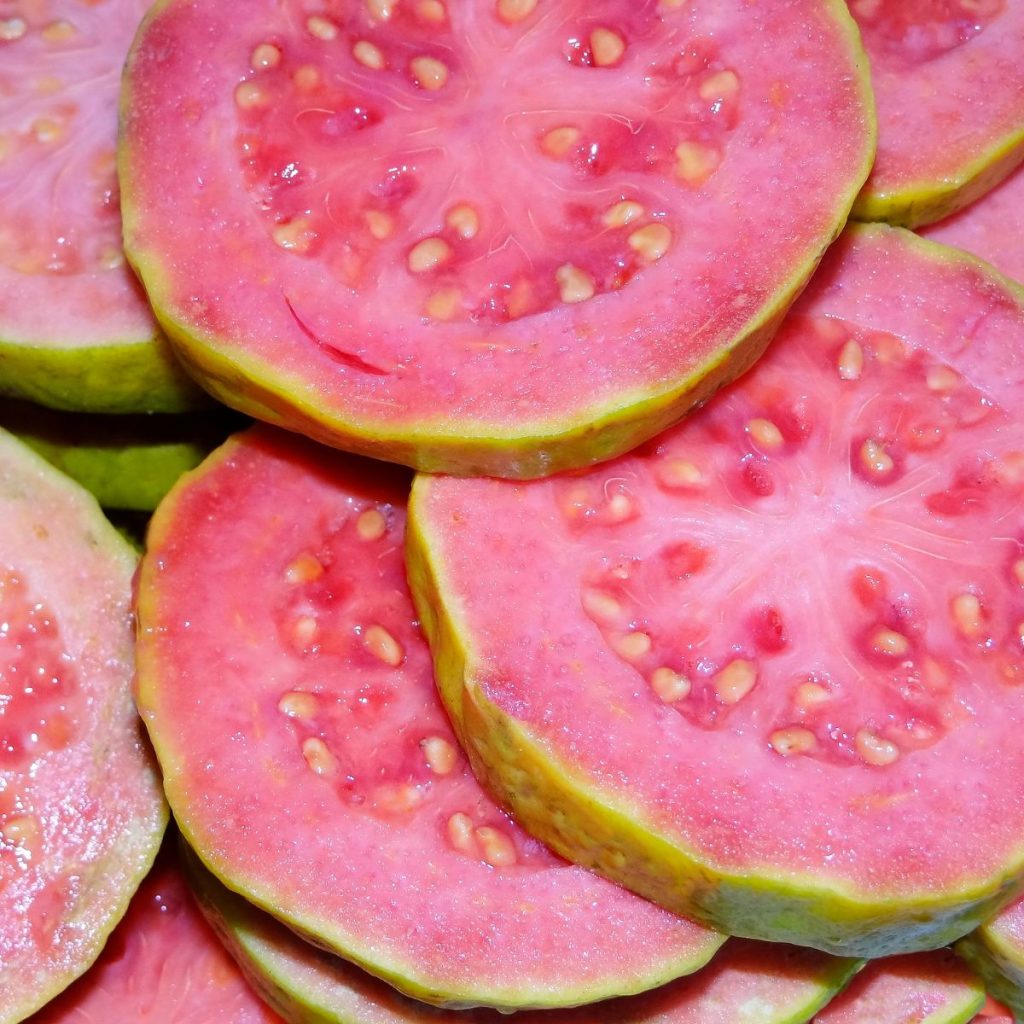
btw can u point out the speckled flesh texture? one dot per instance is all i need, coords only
(127, 462)
(996, 951)
(163, 965)
(412, 249)
(767, 671)
(917, 988)
(746, 983)
(76, 330)
(81, 813)
(308, 760)
(949, 83)
(992, 228)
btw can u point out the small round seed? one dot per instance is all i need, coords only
(381, 225)
(306, 78)
(874, 750)
(574, 285)
(293, 236)
(601, 605)
(429, 73)
(669, 685)
(428, 255)
(318, 757)
(606, 47)
(249, 96)
(440, 755)
(811, 695)
(432, 11)
(719, 86)
(633, 645)
(460, 832)
(47, 130)
(889, 643)
(558, 141)
(382, 645)
(463, 220)
(765, 435)
(321, 28)
(695, 162)
(371, 525)
(304, 569)
(966, 610)
(444, 304)
(381, 10)
(512, 11)
(299, 704)
(941, 378)
(59, 32)
(875, 459)
(265, 56)
(620, 507)
(735, 681)
(12, 29)
(679, 474)
(304, 630)
(793, 740)
(1018, 571)
(621, 214)
(650, 242)
(368, 55)
(498, 850)
(851, 361)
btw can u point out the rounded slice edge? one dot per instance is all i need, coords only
(996, 952)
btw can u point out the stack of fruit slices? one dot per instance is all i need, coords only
(762, 666)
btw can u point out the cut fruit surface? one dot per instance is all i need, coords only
(308, 760)
(992, 228)
(162, 965)
(76, 330)
(754, 670)
(949, 84)
(81, 813)
(996, 951)
(746, 983)
(485, 236)
(918, 988)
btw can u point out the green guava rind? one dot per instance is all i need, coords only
(524, 450)
(57, 521)
(604, 832)
(998, 960)
(129, 461)
(305, 984)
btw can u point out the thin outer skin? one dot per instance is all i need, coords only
(1002, 972)
(122, 377)
(246, 383)
(925, 202)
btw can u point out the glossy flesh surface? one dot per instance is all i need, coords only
(414, 248)
(798, 615)
(81, 811)
(309, 762)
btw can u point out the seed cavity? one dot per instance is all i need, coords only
(513, 11)
(765, 434)
(264, 57)
(558, 141)
(305, 569)
(429, 73)
(606, 47)
(498, 850)
(669, 685)
(318, 756)
(368, 55)
(574, 285)
(851, 361)
(889, 643)
(735, 681)
(793, 740)
(299, 704)
(383, 646)
(429, 254)
(321, 28)
(463, 220)
(695, 162)
(651, 242)
(622, 213)
(460, 832)
(440, 755)
(632, 646)
(874, 750)
(966, 611)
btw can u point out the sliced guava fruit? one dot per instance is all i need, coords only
(996, 951)
(127, 462)
(486, 236)
(949, 83)
(309, 762)
(76, 330)
(917, 988)
(162, 965)
(755, 670)
(81, 812)
(746, 982)
(992, 228)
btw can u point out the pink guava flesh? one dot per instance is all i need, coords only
(949, 84)
(480, 221)
(309, 762)
(786, 636)
(81, 812)
(992, 228)
(162, 965)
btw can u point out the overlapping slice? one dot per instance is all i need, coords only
(76, 330)
(949, 83)
(917, 988)
(485, 236)
(306, 756)
(756, 669)
(746, 983)
(996, 951)
(81, 811)
(992, 228)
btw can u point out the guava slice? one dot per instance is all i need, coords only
(746, 982)
(81, 812)
(162, 965)
(76, 331)
(996, 951)
(483, 237)
(949, 83)
(992, 228)
(755, 670)
(308, 760)
(917, 988)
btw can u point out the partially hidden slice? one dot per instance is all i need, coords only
(754, 670)
(746, 983)
(996, 951)
(76, 331)
(916, 988)
(307, 759)
(486, 236)
(163, 965)
(949, 83)
(81, 812)
(992, 228)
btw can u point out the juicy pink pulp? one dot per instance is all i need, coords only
(62, 269)
(489, 209)
(308, 759)
(801, 613)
